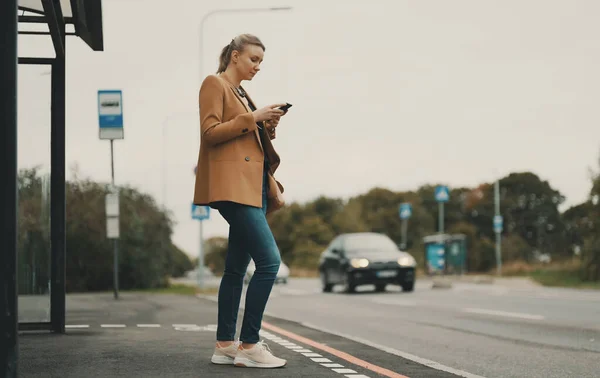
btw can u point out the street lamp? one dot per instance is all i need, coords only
(238, 10)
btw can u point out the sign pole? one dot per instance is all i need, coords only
(404, 232)
(116, 240)
(498, 227)
(201, 259)
(200, 213)
(441, 217)
(405, 212)
(442, 195)
(110, 119)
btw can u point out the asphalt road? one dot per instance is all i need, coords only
(482, 329)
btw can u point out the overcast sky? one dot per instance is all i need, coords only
(386, 93)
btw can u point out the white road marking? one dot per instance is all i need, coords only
(408, 356)
(112, 325)
(148, 325)
(503, 313)
(77, 326)
(321, 359)
(311, 355)
(333, 365)
(344, 371)
(357, 376)
(288, 291)
(303, 350)
(393, 302)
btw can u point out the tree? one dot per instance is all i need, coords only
(147, 256)
(591, 250)
(529, 207)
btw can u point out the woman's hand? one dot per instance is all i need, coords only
(268, 113)
(271, 125)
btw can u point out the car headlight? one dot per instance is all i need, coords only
(359, 263)
(407, 261)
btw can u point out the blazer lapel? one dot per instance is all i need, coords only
(237, 95)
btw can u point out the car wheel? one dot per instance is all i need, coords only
(348, 286)
(380, 288)
(408, 286)
(325, 285)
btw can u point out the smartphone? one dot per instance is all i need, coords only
(285, 107)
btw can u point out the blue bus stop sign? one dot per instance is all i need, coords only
(405, 210)
(442, 194)
(110, 114)
(200, 212)
(498, 223)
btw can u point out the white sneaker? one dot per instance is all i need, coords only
(225, 355)
(259, 356)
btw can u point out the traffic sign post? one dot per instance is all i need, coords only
(110, 121)
(200, 213)
(442, 195)
(110, 114)
(498, 224)
(405, 212)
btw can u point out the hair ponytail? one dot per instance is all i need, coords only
(224, 58)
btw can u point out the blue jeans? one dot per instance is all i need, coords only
(249, 237)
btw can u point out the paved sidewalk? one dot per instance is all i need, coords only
(173, 336)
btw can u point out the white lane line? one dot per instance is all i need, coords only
(185, 325)
(356, 376)
(333, 365)
(518, 315)
(408, 356)
(112, 325)
(72, 326)
(393, 302)
(344, 371)
(148, 325)
(321, 359)
(311, 355)
(303, 350)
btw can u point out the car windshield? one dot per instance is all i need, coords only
(368, 242)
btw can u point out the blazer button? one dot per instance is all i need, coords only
(247, 158)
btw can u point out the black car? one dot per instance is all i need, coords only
(366, 258)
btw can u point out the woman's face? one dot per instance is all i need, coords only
(248, 61)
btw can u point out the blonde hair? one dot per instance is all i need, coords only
(238, 43)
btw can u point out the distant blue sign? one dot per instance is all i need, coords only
(498, 223)
(405, 210)
(200, 212)
(442, 194)
(110, 114)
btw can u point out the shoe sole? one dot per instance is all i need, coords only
(245, 362)
(221, 360)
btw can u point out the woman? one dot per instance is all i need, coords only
(235, 175)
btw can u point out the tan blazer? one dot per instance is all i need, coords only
(231, 159)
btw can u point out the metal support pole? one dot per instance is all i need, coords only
(404, 233)
(58, 196)
(441, 217)
(9, 340)
(116, 240)
(498, 234)
(201, 259)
